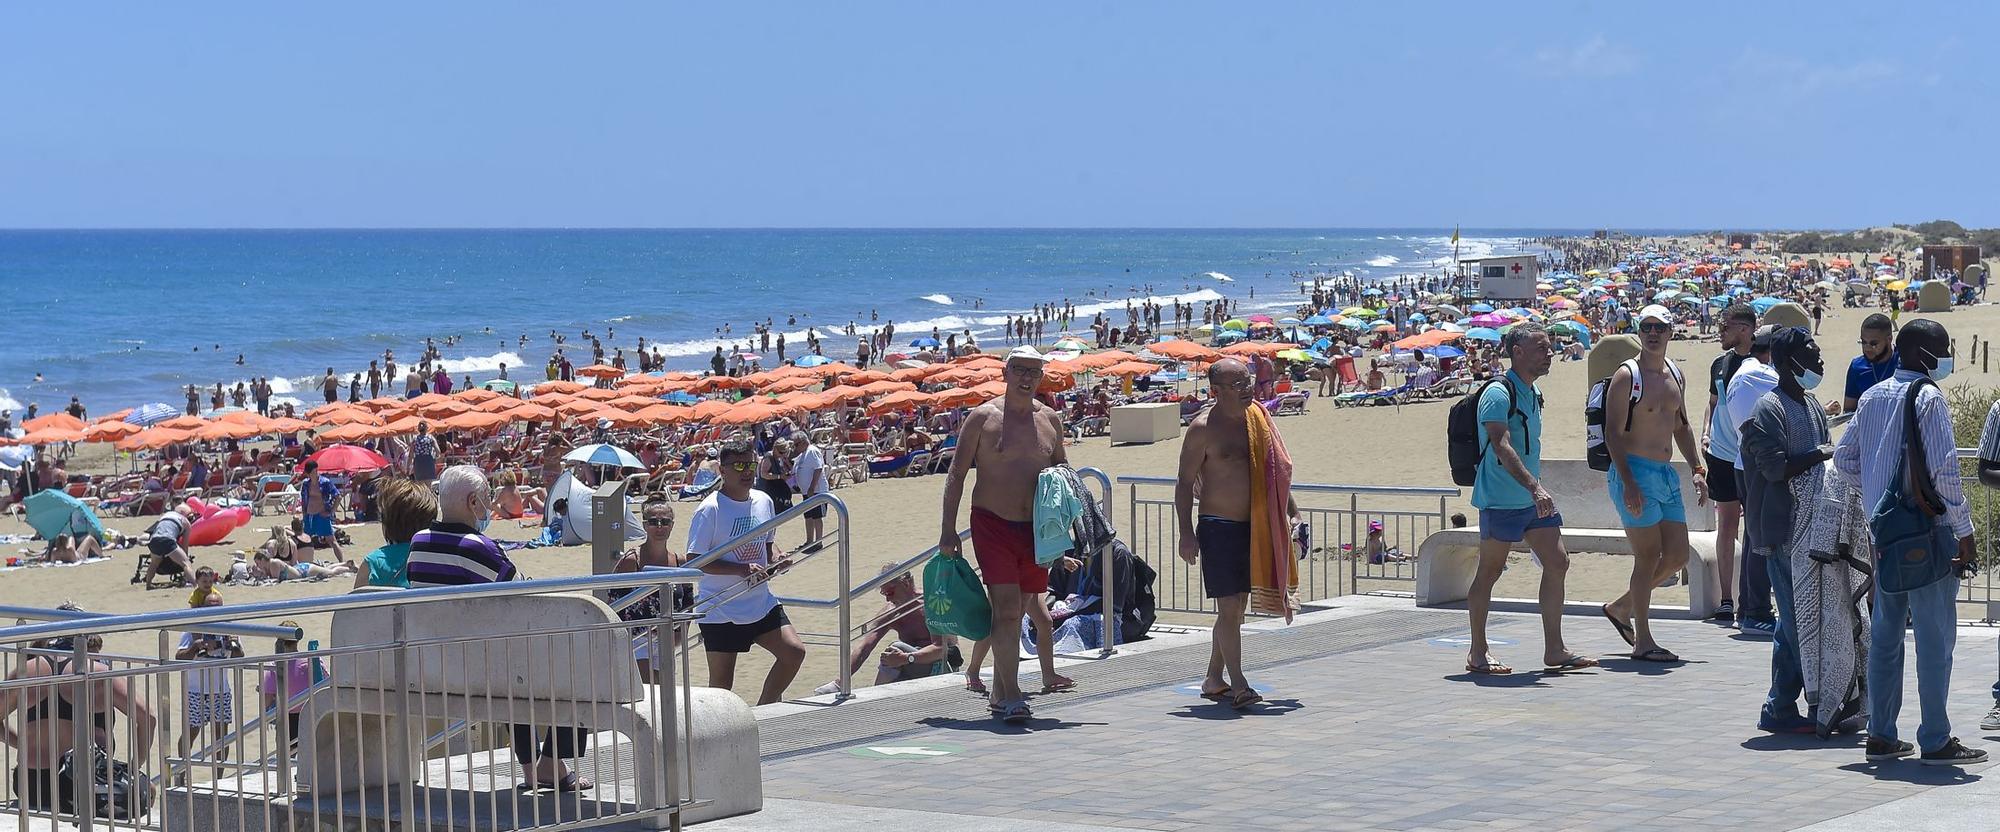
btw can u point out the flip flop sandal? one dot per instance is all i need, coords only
(1219, 696)
(1017, 712)
(1490, 669)
(1245, 698)
(1624, 629)
(1571, 663)
(1657, 654)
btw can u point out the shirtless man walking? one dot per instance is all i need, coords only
(1645, 416)
(1215, 459)
(1010, 442)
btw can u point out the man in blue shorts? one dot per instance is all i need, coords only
(316, 495)
(1645, 416)
(1512, 504)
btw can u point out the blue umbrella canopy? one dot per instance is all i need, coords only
(1764, 304)
(54, 512)
(1354, 323)
(602, 454)
(925, 341)
(814, 361)
(151, 414)
(1319, 320)
(1447, 351)
(1371, 292)
(1482, 333)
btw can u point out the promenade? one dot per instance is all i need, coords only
(1370, 723)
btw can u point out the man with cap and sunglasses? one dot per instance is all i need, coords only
(1754, 614)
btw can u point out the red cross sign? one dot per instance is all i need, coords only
(1517, 268)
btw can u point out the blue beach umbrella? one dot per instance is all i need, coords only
(1355, 324)
(1482, 333)
(1419, 318)
(1447, 351)
(683, 397)
(602, 454)
(925, 341)
(814, 361)
(1319, 320)
(1481, 307)
(55, 512)
(150, 414)
(1371, 293)
(1764, 304)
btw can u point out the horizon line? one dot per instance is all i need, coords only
(1462, 229)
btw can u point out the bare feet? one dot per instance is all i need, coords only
(1485, 664)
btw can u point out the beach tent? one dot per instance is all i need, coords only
(576, 521)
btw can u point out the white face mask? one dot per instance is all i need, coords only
(1810, 379)
(1943, 369)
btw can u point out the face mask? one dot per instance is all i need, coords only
(1943, 369)
(1810, 379)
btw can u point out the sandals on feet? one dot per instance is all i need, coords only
(1245, 698)
(1013, 713)
(1624, 629)
(1222, 695)
(1657, 654)
(1574, 662)
(1491, 668)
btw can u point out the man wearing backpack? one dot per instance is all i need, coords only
(1644, 418)
(1877, 449)
(1513, 505)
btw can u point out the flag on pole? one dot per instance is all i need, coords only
(1454, 235)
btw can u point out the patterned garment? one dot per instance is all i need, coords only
(1830, 600)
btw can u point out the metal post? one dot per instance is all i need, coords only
(607, 526)
(846, 602)
(399, 626)
(82, 743)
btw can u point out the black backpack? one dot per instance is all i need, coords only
(1463, 445)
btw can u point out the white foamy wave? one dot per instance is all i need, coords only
(481, 363)
(1468, 248)
(618, 320)
(8, 402)
(279, 385)
(943, 299)
(1384, 261)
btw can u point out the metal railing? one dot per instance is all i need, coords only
(1985, 505)
(1338, 555)
(409, 673)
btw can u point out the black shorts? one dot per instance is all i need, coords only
(40, 794)
(1225, 556)
(739, 638)
(162, 546)
(1722, 485)
(816, 513)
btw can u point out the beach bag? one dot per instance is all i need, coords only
(114, 792)
(1595, 451)
(954, 602)
(1463, 446)
(1914, 548)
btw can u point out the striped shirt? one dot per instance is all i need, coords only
(454, 554)
(1872, 448)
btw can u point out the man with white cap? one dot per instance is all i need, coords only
(1010, 440)
(1645, 416)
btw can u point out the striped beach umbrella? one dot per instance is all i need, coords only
(146, 415)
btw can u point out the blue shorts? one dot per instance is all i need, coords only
(1511, 525)
(1660, 488)
(318, 525)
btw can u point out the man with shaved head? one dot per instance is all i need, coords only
(1216, 467)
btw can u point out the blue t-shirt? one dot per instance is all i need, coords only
(1494, 487)
(1863, 374)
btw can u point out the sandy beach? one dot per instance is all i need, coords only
(896, 518)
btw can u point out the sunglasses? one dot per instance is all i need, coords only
(740, 466)
(1655, 328)
(660, 523)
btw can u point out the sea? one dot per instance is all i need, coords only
(121, 318)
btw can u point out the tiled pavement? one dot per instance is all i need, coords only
(1398, 737)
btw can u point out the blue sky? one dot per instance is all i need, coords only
(1577, 114)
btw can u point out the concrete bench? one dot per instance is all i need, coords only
(353, 727)
(1448, 558)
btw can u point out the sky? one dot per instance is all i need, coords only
(1030, 114)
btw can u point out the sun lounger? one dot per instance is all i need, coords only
(1290, 404)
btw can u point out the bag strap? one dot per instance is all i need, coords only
(1917, 465)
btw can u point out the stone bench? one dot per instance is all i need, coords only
(1448, 558)
(490, 665)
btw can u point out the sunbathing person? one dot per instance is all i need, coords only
(65, 549)
(267, 567)
(512, 500)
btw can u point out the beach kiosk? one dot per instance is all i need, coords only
(1502, 277)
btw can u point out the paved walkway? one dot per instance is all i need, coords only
(1371, 723)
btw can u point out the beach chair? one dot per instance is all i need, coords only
(81, 491)
(274, 490)
(1291, 404)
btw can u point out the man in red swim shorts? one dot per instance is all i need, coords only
(1010, 441)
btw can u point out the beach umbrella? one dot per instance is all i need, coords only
(1356, 324)
(1319, 320)
(282, 426)
(1450, 311)
(1204, 329)
(149, 415)
(52, 512)
(1570, 328)
(352, 433)
(109, 431)
(1357, 312)
(813, 361)
(1229, 336)
(559, 387)
(1071, 344)
(1182, 351)
(184, 423)
(1483, 334)
(12, 457)
(1293, 355)
(1236, 324)
(51, 436)
(603, 454)
(1289, 322)
(1371, 292)
(346, 459)
(62, 421)
(499, 385)
(1666, 294)
(217, 431)
(1481, 307)
(1447, 351)
(1490, 319)
(600, 371)
(1764, 304)
(352, 416)
(924, 341)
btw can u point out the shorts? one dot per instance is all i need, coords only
(1225, 556)
(816, 512)
(1722, 480)
(1005, 550)
(1660, 489)
(919, 671)
(1511, 525)
(722, 637)
(318, 525)
(40, 792)
(162, 546)
(557, 743)
(204, 708)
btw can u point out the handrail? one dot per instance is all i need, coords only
(202, 617)
(1328, 488)
(227, 628)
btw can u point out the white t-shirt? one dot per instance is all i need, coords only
(718, 520)
(214, 680)
(810, 464)
(1752, 380)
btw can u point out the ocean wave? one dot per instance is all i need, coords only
(481, 363)
(941, 298)
(1383, 261)
(8, 402)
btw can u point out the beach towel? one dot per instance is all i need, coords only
(1057, 511)
(1274, 582)
(1831, 588)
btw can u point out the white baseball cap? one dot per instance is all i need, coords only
(1656, 312)
(1026, 352)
